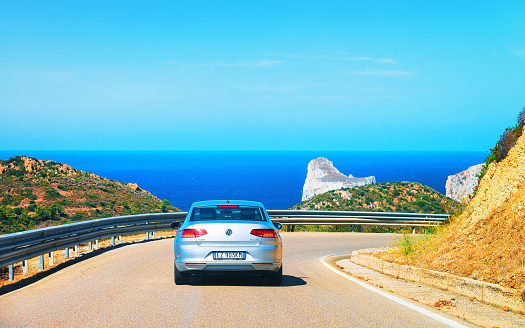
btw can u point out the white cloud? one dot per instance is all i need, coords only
(259, 63)
(56, 74)
(367, 88)
(291, 55)
(355, 58)
(381, 73)
(362, 58)
(343, 54)
(272, 89)
(520, 53)
(387, 60)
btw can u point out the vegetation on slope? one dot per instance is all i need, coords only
(505, 143)
(408, 197)
(37, 193)
(487, 241)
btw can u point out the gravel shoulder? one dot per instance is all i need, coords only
(447, 302)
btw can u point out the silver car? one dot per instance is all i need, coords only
(228, 237)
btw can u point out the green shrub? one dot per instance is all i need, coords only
(406, 244)
(6, 200)
(62, 187)
(13, 172)
(51, 193)
(92, 196)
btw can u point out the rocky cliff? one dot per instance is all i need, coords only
(322, 176)
(460, 186)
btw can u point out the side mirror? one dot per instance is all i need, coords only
(277, 225)
(174, 225)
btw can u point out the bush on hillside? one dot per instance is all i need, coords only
(521, 117)
(506, 141)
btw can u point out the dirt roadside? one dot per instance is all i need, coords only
(457, 305)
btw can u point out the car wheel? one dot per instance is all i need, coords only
(181, 278)
(276, 278)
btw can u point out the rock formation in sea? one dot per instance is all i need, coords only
(460, 186)
(322, 176)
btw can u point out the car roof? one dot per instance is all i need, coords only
(227, 202)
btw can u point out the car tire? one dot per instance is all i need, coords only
(276, 278)
(181, 278)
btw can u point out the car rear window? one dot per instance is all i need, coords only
(227, 212)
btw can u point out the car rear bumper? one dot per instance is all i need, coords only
(195, 258)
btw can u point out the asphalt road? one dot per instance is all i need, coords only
(133, 286)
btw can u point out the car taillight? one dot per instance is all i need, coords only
(265, 233)
(189, 233)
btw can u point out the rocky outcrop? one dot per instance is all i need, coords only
(322, 176)
(134, 187)
(33, 165)
(460, 186)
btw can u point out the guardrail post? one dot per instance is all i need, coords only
(42, 262)
(153, 233)
(51, 258)
(358, 228)
(351, 228)
(25, 267)
(147, 235)
(90, 245)
(120, 239)
(75, 250)
(11, 273)
(66, 252)
(112, 240)
(413, 230)
(96, 244)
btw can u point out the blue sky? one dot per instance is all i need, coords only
(260, 75)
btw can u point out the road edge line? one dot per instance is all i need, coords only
(396, 299)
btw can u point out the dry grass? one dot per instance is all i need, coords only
(487, 241)
(495, 254)
(59, 256)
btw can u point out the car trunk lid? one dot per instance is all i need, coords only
(229, 233)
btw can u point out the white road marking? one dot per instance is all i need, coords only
(421, 310)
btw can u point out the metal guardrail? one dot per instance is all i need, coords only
(19, 246)
(306, 217)
(24, 245)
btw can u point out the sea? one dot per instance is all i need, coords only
(275, 178)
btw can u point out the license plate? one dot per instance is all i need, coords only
(229, 255)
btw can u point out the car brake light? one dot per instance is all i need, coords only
(228, 206)
(264, 233)
(189, 233)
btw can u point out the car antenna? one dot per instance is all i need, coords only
(227, 201)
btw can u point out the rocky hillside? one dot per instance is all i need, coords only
(322, 176)
(487, 241)
(383, 197)
(38, 193)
